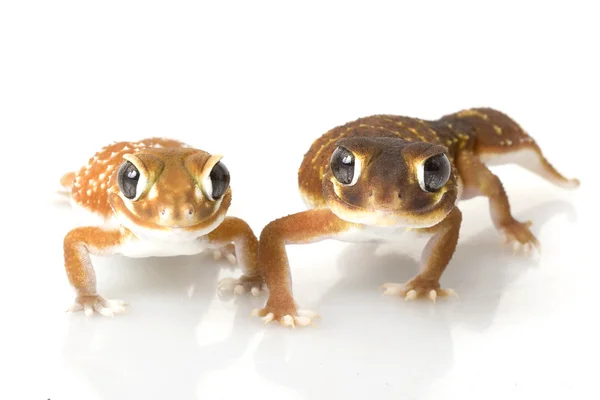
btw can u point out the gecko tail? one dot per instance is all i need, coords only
(501, 140)
(532, 159)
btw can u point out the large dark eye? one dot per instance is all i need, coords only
(127, 178)
(344, 166)
(435, 173)
(219, 181)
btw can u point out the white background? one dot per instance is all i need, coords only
(258, 82)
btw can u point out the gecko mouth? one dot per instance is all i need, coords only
(133, 221)
(426, 216)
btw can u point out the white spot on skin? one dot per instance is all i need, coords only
(153, 193)
(198, 193)
(88, 192)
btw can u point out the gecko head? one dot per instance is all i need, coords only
(390, 182)
(170, 190)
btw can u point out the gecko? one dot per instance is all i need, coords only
(155, 197)
(383, 177)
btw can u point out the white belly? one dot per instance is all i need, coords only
(149, 247)
(375, 234)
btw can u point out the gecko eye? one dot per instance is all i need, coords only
(344, 166)
(434, 173)
(217, 182)
(128, 179)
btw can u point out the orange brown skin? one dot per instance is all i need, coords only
(387, 194)
(172, 209)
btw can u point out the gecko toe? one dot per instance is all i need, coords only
(410, 295)
(239, 289)
(88, 310)
(392, 289)
(288, 320)
(97, 304)
(105, 311)
(268, 318)
(302, 321)
(432, 295)
(217, 255)
(308, 314)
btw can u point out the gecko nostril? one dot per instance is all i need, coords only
(188, 210)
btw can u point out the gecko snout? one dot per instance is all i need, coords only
(177, 214)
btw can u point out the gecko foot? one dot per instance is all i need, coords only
(228, 252)
(413, 290)
(290, 318)
(520, 236)
(244, 284)
(95, 303)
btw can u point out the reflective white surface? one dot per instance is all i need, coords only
(522, 327)
(258, 85)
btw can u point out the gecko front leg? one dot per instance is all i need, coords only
(79, 243)
(236, 232)
(434, 259)
(305, 227)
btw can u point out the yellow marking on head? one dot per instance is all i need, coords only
(429, 128)
(153, 193)
(417, 134)
(325, 146)
(498, 129)
(472, 113)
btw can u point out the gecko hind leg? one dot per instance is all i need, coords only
(478, 180)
